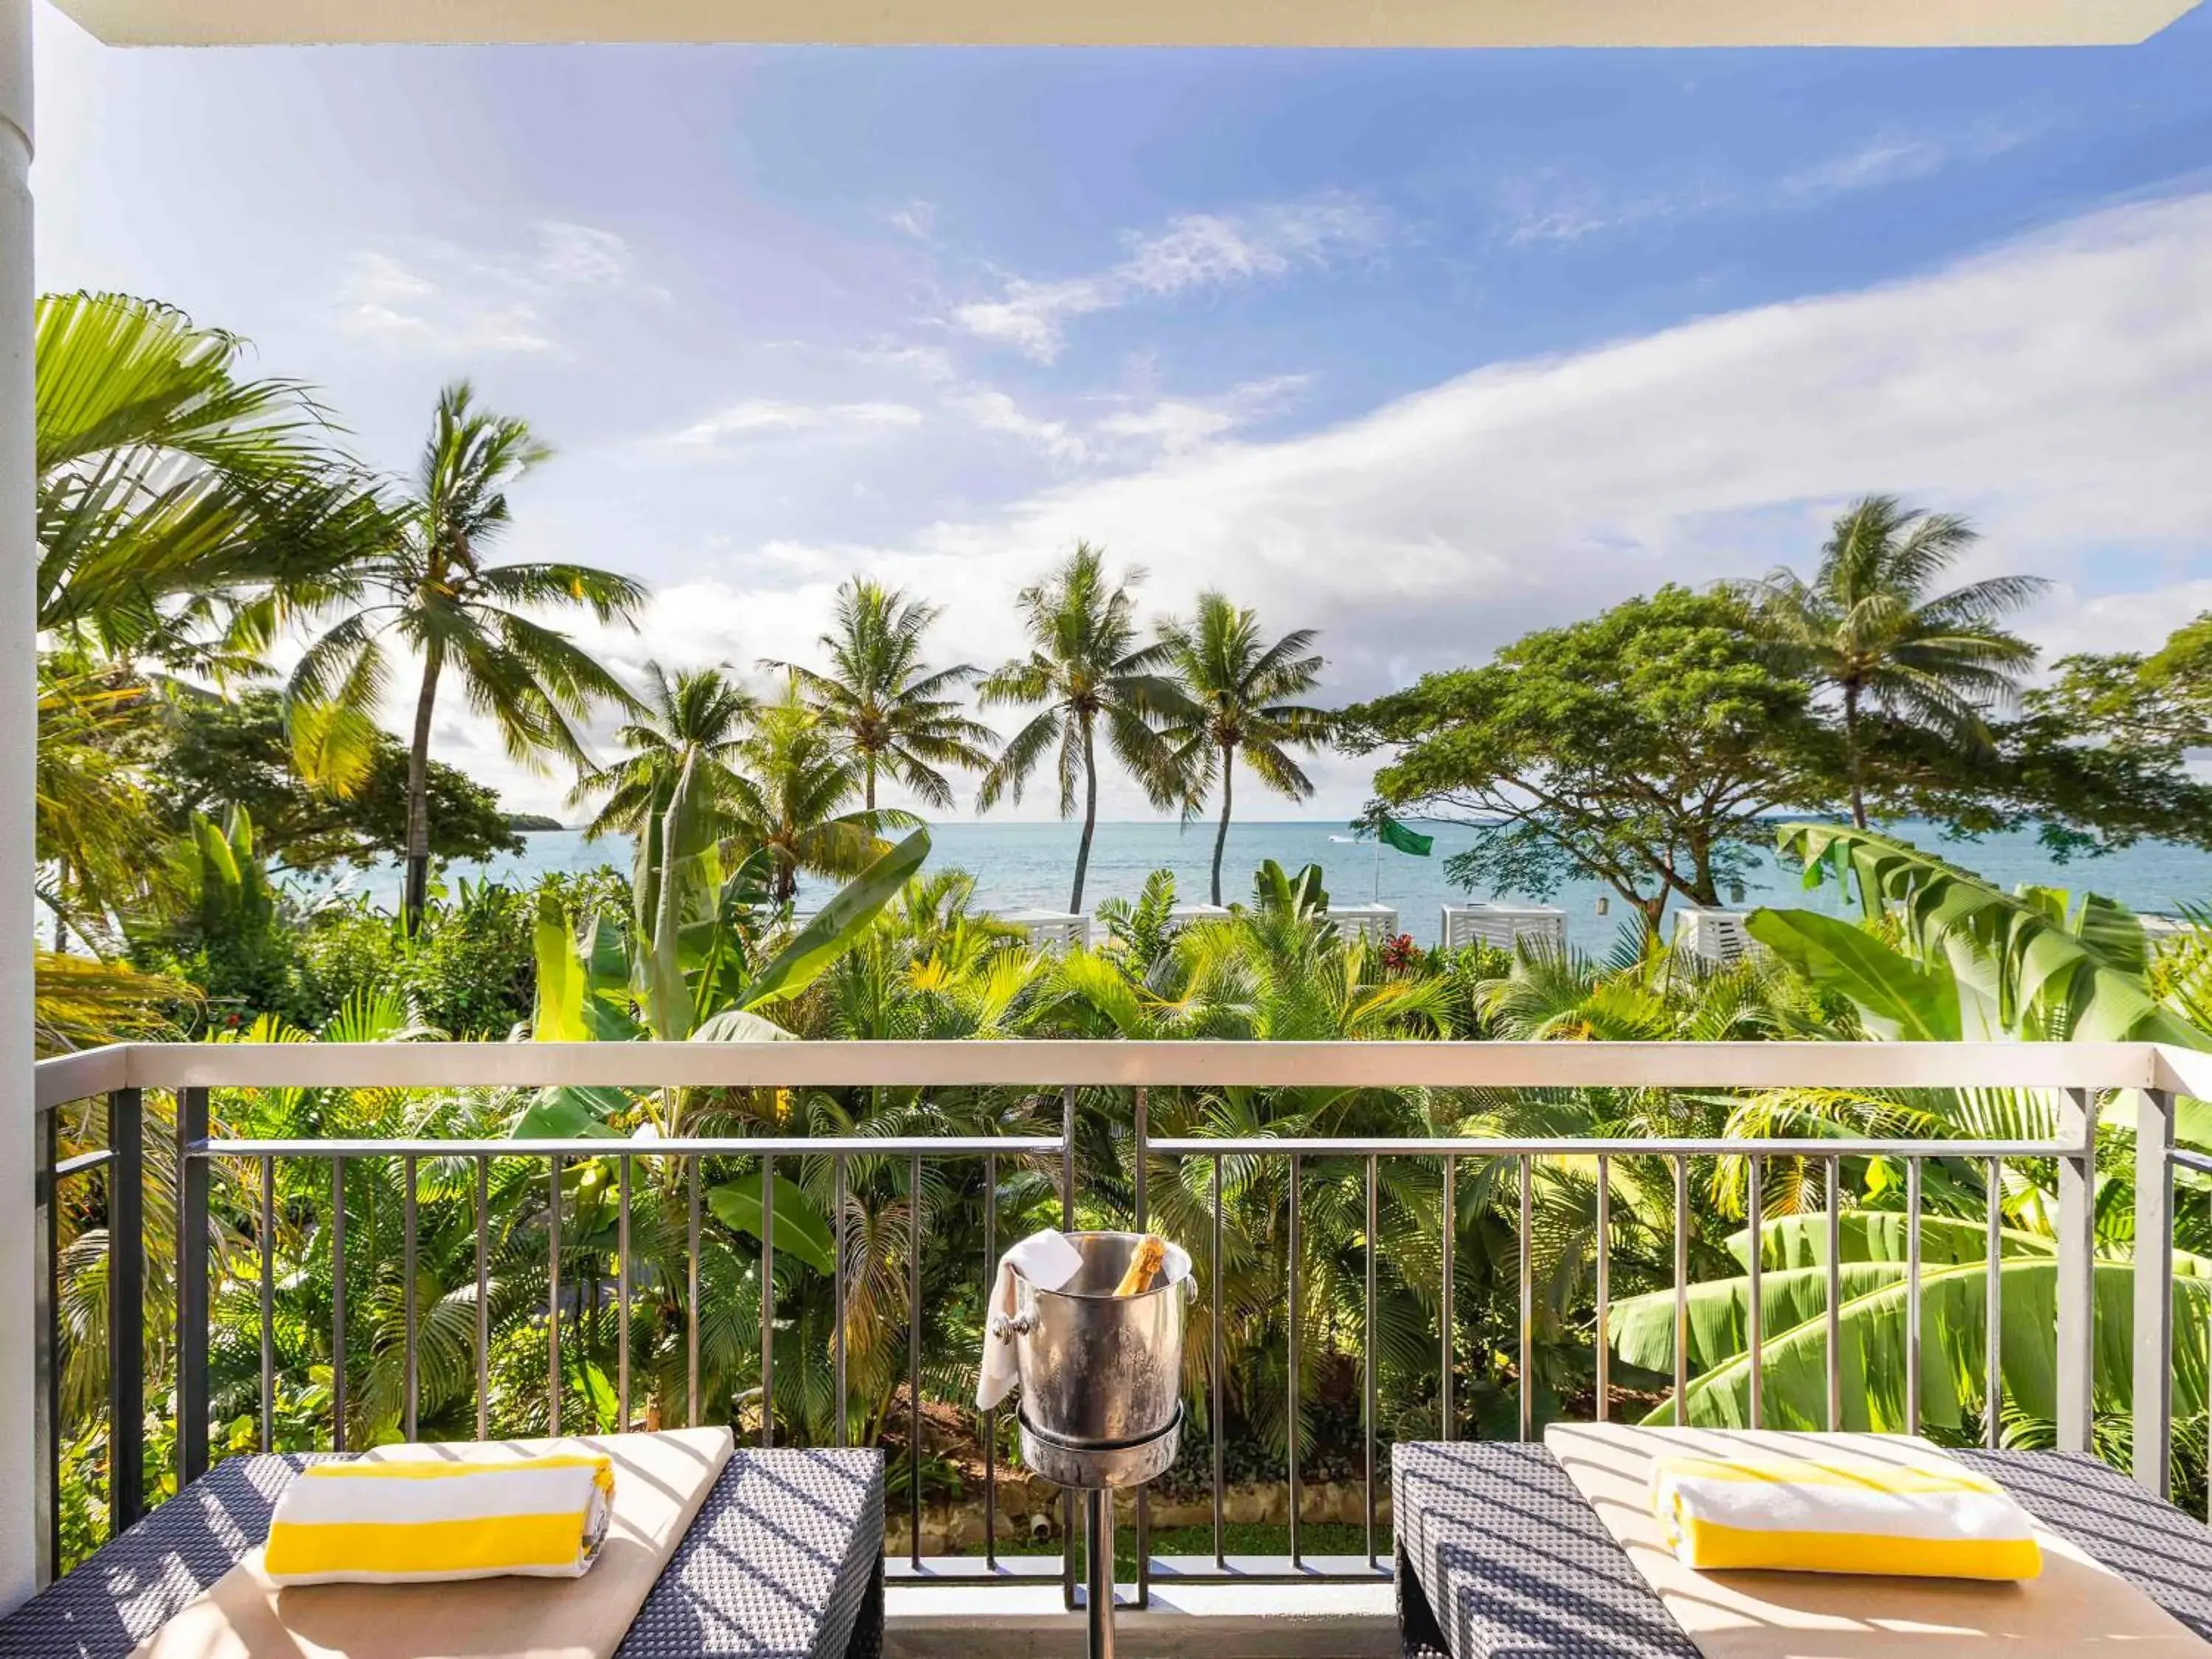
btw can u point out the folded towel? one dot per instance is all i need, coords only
(427, 1522)
(1044, 1258)
(1842, 1513)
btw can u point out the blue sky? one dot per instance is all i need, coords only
(1421, 349)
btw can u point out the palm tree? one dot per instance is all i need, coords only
(1238, 686)
(792, 793)
(430, 588)
(182, 510)
(1084, 664)
(1869, 626)
(702, 713)
(892, 706)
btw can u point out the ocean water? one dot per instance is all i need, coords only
(1024, 865)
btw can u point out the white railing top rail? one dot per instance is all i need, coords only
(1123, 1065)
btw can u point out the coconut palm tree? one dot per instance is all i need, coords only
(892, 706)
(1238, 687)
(792, 792)
(1084, 666)
(182, 509)
(701, 713)
(1869, 626)
(430, 589)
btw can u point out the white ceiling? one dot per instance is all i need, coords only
(1139, 22)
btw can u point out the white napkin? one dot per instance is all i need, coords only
(1045, 1259)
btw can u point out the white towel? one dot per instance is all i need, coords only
(1045, 1259)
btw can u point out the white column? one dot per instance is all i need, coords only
(18, 744)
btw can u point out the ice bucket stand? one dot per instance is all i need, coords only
(1094, 1368)
(1099, 1472)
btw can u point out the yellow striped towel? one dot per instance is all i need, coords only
(408, 1522)
(1841, 1514)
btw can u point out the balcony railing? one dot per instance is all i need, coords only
(2077, 1079)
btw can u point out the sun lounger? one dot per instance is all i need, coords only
(785, 1561)
(1499, 1555)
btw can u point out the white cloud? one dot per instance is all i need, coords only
(1175, 426)
(1195, 251)
(2055, 389)
(1551, 205)
(580, 254)
(439, 296)
(916, 218)
(992, 410)
(760, 418)
(1890, 158)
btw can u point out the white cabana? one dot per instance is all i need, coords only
(1718, 937)
(1376, 922)
(1055, 930)
(1506, 927)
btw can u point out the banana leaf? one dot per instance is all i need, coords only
(1801, 1241)
(567, 1112)
(801, 1229)
(842, 920)
(1899, 998)
(1793, 1392)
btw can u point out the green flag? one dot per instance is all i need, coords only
(1393, 833)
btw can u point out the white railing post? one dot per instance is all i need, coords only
(19, 725)
(2153, 1352)
(2077, 1266)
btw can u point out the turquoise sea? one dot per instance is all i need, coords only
(1020, 865)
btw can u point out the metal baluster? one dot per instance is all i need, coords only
(268, 1304)
(1219, 1427)
(1681, 1291)
(1367, 1368)
(1912, 1166)
(1067, 1504)
(483, 1298)
(1290, 1417)
(1993, 1309)
(691, 1309)
(837, 1289)
(1758, 1305)
(914, 1358)
(553, 1295)
(621, 1294)
(991, 1413)
(337, 1305)
(1604, 1285)
(1450, 1216)
(409, 1374)
(126, 1310)
(191, 1284)
(1835, 1312)
(768, 1301)
(1528, 1359)
(1141, 1115)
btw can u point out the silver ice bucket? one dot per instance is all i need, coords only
(1101, 1371)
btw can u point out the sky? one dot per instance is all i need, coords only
(1422, 350)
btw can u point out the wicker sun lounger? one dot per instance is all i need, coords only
(785, 1561)
(1499, 1555)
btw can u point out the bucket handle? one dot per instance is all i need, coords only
(1007, 1327)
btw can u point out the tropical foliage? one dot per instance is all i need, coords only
(1868, 627)
(1236, 689)
(1086, 665)
(431, 590)
(899, 716)
(196, 524)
